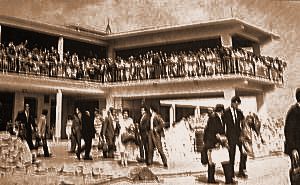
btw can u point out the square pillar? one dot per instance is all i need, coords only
(262, 106)
(228, 94)
(58, 120)
(226, 40)
(111, 53)
(0, 34)
(172, 114)
(113, 102)
(60, 48)
(256, 49)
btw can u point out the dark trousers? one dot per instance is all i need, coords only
(29, 141)
(86, 147)
(76, 140)
(44, 144)
(111, 148)
(144, 145)
(154, 140)
(243, 157)
(45, 147)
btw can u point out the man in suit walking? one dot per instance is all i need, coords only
(26, 123)
(76, 132)
(144, 128)
(110, 130)
(88, 132)
(214, 136)
(232, 118)
(154, 137)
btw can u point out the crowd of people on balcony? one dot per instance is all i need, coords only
(204, 62)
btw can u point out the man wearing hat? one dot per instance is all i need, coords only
(214, 136)
(232, 118)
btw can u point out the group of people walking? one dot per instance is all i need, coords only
(118, 133)
(223, 132)
(27, 125)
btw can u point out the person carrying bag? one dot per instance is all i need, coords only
(216, 144)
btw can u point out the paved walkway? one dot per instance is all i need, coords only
(64, 168)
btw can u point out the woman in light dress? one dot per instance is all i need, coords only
(126, 149)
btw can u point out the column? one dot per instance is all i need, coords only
(58, 120)
(172, 114)
(114, 102)
(228, 94)
(109, 102)
(60, 48)
(0, 34)
(111, 53)
(226, 40)
(261, 105)
(256, 49)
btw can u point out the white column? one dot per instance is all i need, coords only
(118, 103)
(262, 106)
(109, 101)
(172, 114)
(58, 114)
(60, 48)
(226, 40)
(0, 34)
(228, 94)
(115, 102)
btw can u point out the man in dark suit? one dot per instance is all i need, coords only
(154, 137)
(25, 120)
(88, 132)
(214, 135)
(292, 130)
(232, 118)
(76, 132)
(110, 130)
(144, 128)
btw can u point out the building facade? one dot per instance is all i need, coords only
(176, 97)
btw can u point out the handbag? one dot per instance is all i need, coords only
(128, 136)
(219, 154)
(295, 170)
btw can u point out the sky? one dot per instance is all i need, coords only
(278, 16)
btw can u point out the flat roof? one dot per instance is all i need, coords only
(210, 29)
(245, 29)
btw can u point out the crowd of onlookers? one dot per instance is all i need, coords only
(150, 65)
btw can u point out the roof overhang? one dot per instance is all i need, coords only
(190, 32)
(150, 36)
(69, 32)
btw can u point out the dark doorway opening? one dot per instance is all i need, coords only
(7, 101)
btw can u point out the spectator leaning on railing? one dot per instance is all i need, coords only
(204, 62)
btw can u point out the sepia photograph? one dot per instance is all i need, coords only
(171, 92)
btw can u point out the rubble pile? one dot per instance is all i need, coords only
(14, 153)
(143, 174)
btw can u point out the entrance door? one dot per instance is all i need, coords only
(7, 100)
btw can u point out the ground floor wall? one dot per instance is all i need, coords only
(273, 103)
